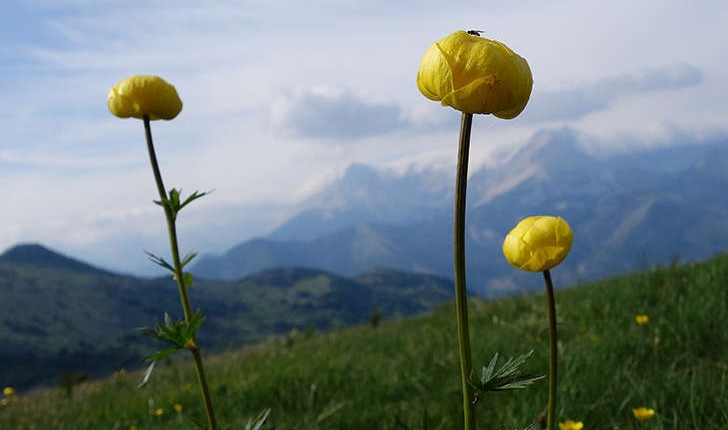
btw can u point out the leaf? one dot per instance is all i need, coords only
(259, 420)
(162, 354)
(488, 372)
(508, 377)
(159, 261)
(195, 323)
(194, 196)
(147, 374)
(188, 258)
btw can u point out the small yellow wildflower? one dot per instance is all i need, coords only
(178, 407)
(132, 427)
(571, 425)
(188, 386)
(642, 413)
(159, 412)
(4, 402)
(9, 391)
(583, 329)
(641, 319)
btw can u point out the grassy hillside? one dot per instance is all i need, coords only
(61, 315)
(404, 373)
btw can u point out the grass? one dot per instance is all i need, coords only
(404, 374)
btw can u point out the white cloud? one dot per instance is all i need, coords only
(255, 117)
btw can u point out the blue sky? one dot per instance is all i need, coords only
(280, 96)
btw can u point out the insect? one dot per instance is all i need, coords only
(475, 32)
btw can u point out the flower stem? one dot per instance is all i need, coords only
(551, 415)
(178, 275)
(461, 293)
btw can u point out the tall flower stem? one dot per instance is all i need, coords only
(179, 277)
(461, 292)
(551, 415)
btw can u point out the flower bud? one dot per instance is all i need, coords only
(144, 95)
(475, 75)
(538, 243)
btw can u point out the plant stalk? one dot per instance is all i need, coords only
(178, 275)
(461, 292)
(551, 415)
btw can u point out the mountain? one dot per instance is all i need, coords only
(628, 211)
(61, 315)
(365, 194)
(38, 255)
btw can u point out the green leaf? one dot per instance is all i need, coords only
(508, 377)
(162, 354)
(188, 258)
(195, 323)
(488, 371)
(194, 196)
(159, 261)
(259, 420)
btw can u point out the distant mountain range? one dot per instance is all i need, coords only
(62, 315)
(628, 211)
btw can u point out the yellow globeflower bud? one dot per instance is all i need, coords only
(8, 391)
(144, 95)
(475, 75)
(538, 243)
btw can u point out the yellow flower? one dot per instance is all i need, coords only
(9, 391)
(538, 243)
(571, 425)
(144, 95)
(132, 427)
(178, 407)
(159, 412)
(643, 413)
(475, 75)
(641, 319)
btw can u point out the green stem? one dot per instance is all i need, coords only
(461, 292)
(551, 415)
(178, 275)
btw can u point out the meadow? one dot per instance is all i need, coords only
(403, 374)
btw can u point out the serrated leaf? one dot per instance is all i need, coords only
(195, 322)
(508, 377)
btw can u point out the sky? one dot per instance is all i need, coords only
(281, 96)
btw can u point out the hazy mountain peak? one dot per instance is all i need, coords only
(37, 255)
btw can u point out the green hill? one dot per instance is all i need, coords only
(404, 373)
(60, 315)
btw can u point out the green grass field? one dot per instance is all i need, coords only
(404, 374)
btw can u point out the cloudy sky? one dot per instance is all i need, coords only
(280, 96)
